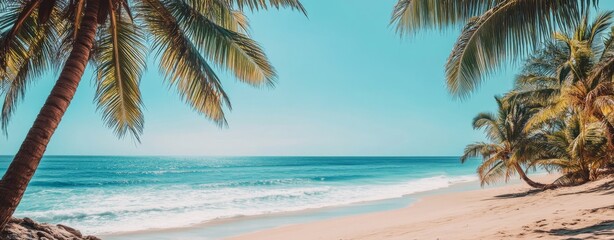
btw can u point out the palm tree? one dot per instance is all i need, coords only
(188, 36)
(564, 61)
(494, 31)
(573, 94)
(568, 146)
(510, 146)
(572, 120)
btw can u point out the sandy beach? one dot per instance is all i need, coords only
(508, 212)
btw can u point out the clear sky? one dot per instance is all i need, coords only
(348, 85)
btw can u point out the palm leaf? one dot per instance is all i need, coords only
(24, 13)
(489, 123)
(547, 113)
(412, 15)
(479, 149)
(229, 49)
(547, 61)
(608, 46)
(492, 170)
(220, 12)
(256, 5)
(28, 57)
(600, 24)
(120, 65)
(506, 31)
(182, 64)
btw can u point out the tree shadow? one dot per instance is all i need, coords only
(606, 188)
(518, 195)
(605, 228)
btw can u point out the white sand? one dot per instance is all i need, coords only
(508, 212)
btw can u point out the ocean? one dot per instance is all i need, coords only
(113, 194)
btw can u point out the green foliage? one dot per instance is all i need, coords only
(570, 127)
(189, 39)
(120, 62)
(26, 54)
(494, 31)
(509, 146)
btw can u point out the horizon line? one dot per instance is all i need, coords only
(169, 155)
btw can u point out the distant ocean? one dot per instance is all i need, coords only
(109, 194)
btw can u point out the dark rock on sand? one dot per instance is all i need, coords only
(19, 229)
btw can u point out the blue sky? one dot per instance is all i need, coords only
(348, 85)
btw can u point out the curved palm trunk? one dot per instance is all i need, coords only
(531, 183)
(22, 168)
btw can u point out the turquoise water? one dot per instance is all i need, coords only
(108, 194)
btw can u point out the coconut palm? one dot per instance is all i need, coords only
(585, 99)
(189, 38)
(584, 107)
(494, 31)
(565, 60)
(541, 77)
(568, 146)
(573, 105)
(510, 146)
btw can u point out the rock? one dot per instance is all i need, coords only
(27, 228)
(71, 230)
(42, 235)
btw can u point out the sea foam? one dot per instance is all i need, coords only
(110, 211)
(102, 195)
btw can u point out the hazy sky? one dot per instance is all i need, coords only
(348, 85)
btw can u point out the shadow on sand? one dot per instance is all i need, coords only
(518, 195)
(603, 229)
(606, 188)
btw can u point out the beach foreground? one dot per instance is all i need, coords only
(508, 212)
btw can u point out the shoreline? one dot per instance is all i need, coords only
(235, 226)
(506, 212)
(241, 225)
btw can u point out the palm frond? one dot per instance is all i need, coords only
(228, 49)
(26, 11)
(485, 150)
(547, 113)
(220, 12)
(551, 162)
(412, 15)
(601, 23)
(488, 122)
(547, 61)
(541, 96)
(256, 5)
(608, 46)
(12, 19)
(506, 31)
(534, 81)
(120, 65)
(29, 55)
(604, 104)
(603, 70)
(182, 64)
(492, 170)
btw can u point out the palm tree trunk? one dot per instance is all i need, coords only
(531, 183)
(22, 168)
